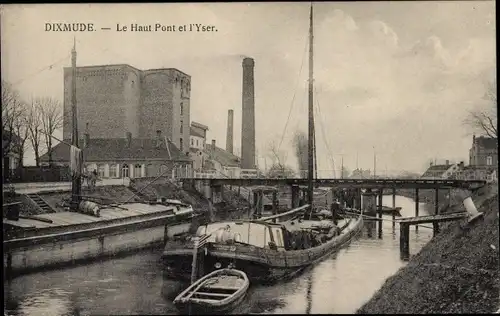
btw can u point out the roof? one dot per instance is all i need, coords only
(432, 170)
(222, 156)
(101, 149)
(193, 132)
(487, 142)
(199, 125)
(127, 65)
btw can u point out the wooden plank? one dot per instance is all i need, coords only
(76, 218)
(433, 218)
(212, 294)
(117, 213)
(25, 223)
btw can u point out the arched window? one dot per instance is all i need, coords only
(125, 171)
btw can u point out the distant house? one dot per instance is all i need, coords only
(127, 157)
(222, 161)
(208, 159)
(440, 171)
(484, 152)
(10, 153)
(477, 173)
(361, 174)
(197, 140)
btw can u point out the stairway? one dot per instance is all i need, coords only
(37, 199)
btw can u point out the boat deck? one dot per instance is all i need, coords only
(129, 210)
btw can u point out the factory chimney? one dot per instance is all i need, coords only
(248, 116)
(229, 135)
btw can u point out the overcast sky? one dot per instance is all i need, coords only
(397, 76)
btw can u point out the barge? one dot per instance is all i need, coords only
(55, 239)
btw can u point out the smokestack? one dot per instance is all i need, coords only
(213, 144)
(248, 116)
(229, 135)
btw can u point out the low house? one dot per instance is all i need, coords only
(222, 161)
(484, 152)
(127, 157)
(440, 171)
(476, 173)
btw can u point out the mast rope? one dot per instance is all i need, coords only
(49, 67)
(324, 133)
(294, 94)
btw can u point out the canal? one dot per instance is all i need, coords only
(135, 284)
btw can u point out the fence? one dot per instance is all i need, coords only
(37, 174)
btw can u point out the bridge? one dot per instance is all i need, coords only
(350, 183)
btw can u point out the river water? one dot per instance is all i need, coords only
(135, 284)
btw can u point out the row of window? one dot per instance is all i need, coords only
(113, 171)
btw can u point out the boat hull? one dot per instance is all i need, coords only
(35, 253)
(260, 265)
(206, 309)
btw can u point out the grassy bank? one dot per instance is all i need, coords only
(456, 272)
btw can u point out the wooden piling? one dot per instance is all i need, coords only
(416, 207)
(165, 236)
(379, 211)
(295, 196)
(275, 205)
(435, 225)
(194, 264)
(404, 241)
(393, 206)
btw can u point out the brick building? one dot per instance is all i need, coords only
(119, 99)
(484, 152)
(127, 157)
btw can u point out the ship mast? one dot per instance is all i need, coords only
(310, 160)
(75, 154)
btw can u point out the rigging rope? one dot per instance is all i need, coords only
(41, 70)
(324, 133)
(294, 94)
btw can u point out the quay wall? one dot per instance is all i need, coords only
(456, 272)
(31, 254)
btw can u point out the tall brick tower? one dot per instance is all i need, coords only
(248, 116)
(230, 129)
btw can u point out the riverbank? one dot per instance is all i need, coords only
(456, 272)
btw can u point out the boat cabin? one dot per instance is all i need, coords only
(281, 236)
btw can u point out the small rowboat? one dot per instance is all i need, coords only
(219, 291)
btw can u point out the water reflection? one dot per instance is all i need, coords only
(135, 284)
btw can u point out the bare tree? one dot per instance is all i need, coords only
(300, 143)
(11, 112)
(34, 124)
(51, 115)
(484, 120)
(22, 131)
(278, 159)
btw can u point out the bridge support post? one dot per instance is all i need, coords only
(394, 207)
(379, 211)
(295, 196)
(435, 225)
(416, 207)
(404, 241)
(275, 205)
(358, 199)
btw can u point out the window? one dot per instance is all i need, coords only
(181, 147)
(489, 160)
(125, 171)
(100, 171)
(196, 143)
(192, 142)
(138, 170)
(182, 126)
(113, 171)
(182, 109)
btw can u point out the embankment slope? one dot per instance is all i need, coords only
(456, 272)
